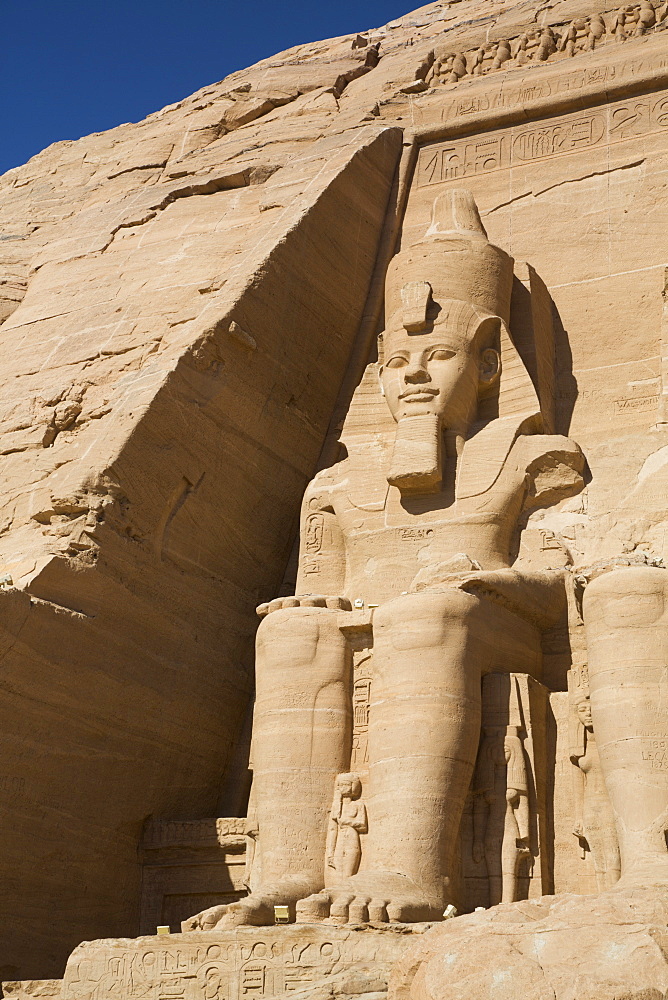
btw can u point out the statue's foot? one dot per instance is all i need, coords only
(206, 920)
(652, 871)
(256, 909)
(376, 897)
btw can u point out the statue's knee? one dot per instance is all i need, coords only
(426, 612)
(297, 624)
(633, 596)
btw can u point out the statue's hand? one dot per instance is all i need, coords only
(304, 601)
(478, 852)
(513, 796)
(538, 595)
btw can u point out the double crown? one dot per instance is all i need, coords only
(453, 260)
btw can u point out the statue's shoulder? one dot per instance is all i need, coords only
(507, 454)
(327, 481)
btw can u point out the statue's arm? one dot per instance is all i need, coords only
(360, 822)
(540, 471)
(578, 800)
(322, 565)
(523, 814)
(332, 835)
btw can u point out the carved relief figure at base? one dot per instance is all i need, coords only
(594, 822)
(419, 529)
(501, 817)
(347, 821)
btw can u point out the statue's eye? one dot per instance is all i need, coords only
(396, 362)
(441, 355)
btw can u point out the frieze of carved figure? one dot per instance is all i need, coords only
(417, 524)
(594, 822)
(549, 42)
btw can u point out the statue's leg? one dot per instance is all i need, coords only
(626, 624)
(493, 857)
(510, 857)
(430, 650)
(301, 740)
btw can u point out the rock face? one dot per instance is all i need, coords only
(569, 947)
(466, 701)
(133, 554)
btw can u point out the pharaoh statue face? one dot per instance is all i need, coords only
(439, 365)
(446, 297)
(584, 712)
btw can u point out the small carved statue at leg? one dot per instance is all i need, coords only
(347, 821)
(594, 822)
(516, 850)
(501, 812)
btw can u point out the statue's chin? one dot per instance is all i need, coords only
(416, 408)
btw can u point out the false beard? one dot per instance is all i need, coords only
(417, 458)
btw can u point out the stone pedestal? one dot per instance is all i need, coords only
(245, 963)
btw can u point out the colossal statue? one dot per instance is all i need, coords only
(417, 543)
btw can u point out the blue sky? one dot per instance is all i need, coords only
(69, 68)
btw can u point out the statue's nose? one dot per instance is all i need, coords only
(416, 372)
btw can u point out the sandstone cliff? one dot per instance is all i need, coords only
(179, 304)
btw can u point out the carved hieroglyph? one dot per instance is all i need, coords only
(238, 964)
(409, 543)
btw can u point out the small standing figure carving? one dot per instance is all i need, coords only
(594, 822)
(501, 816)
(347, 821)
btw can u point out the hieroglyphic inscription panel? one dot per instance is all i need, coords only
(528, 143)
(239, 964)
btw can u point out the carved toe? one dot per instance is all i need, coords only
(206, 920)
(358, 912)
(313, 909)
(378, 911)
(338, 913)
(407, 912)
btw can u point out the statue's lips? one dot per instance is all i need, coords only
(423, 395)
